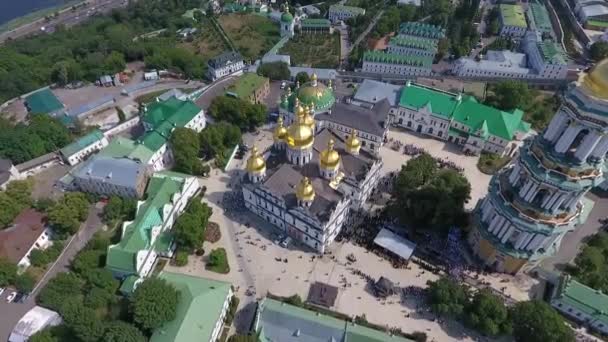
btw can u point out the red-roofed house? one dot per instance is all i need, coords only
(29, 231)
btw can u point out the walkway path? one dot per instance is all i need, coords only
(367, 30)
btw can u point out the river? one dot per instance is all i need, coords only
(11, 9)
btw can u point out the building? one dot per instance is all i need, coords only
(322, 26)
(107, 176)
(159, 119)
(287, 23)
(201, 310)
(416, 3)
(149, 234)
(459, 119)
(412, 46)
(512, 21)
(227, 63)
(83, 147)
(151, 75)
(8, 173)
(538, 19)
(278, 321)
(379, 62)
(537, 199)
(592, 14)
(545, 58)
(29, 231)
(581, 304)
(314, 94)
(43, 102)
(250, 87)
(322, 74)
(342, 13)
(35, 320)
(306, 184)
(422, 30)
(370, 92)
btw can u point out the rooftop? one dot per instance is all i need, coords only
(498, 61)
(199, 308)
(247, 84)
(412, 28)
(224, 59)
(427, 44)
(43, 102)
(350, 9)
(539, 17)
(36, 319)
(552, 52)
(512, 15)
(17, 239)
(466, 111)
(121, 147)
(583, 298)
(163, 117)
(315, 23)
(82, 143)
(121, 172)
(372, 91)
(368, 120)
(137, 234)
(392, 58)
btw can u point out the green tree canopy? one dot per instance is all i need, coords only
(598, 51)
(447, 297)
(185, 144)
(25, 282)
(216, 138)
(8, 272)
(63, 285)
(275, 71)
(66, 215)
(242, 113)
(488, 314)
(509, 95)
(119, 331)
(190, 227)
(82, 320)
(536, 321)
(154, 303)
(44, 335)
(302, 77)
(591, 264)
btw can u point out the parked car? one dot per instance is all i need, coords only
(285, 243)
(1, 290)
(11, 297)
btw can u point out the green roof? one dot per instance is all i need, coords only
(246, 85)
(583, 298)
(359, 333)
(163, 117)
(539, 17)
(82, 143)
(43, 102)
(481, 120)
(414, 42)
(136, 235)
(512, 15)
(417, 29)
(286, 17)
(153, 140)
(393, 58)
(597, 23)
(350, 9)
(552, 52)
(121, 147)
(128, 285)
(315, 23)
(199, 308)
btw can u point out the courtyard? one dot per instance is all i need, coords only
(314, 50)
(252, 34)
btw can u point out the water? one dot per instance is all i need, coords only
(11, 9)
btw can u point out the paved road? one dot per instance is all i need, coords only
(216, 89)
(10, 313)
(66, 17)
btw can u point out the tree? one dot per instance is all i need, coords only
(97, 298)
(302, 77)
(181, 258)
(590, 265)
(25, 282)
(119, 331)
(189, 229)
(446, 297)
(599, 50)
(537, 321)
(44, 335)
(239, 112)
(82, 320)
(64, 285)
(113, 209)
(243, 338)
(8, 272)
(488, 314)
(509, 95)
(66, 215)
(216, 138)
(185, 145)
(154, 303)
(88, 260)
(275, 71)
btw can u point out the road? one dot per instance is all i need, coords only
(67, 17)
(367, 31)
(12, 312)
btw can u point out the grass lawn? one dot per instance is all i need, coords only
(253, 35)
(218, 261)
(489, 163)
(314, 50)
(208, 43)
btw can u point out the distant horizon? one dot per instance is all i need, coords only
(10, 10)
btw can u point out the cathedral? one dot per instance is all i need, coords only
(309, 180)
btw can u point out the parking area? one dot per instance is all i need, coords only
(45, 180)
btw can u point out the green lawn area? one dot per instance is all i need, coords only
(218, 261)
(208, 43)
(314, 50)
(489, 163)
(252, 34)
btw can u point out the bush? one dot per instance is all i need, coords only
(490, 163)
(295, 300)
(234, 304)
(275, 70)
(41, 258)
(213, 234)
(181, 258)
(218, 261)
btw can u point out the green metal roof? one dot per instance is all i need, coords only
(552, 53)
(246, 85)
(414, 42)
(412, 28)
(512, 15)
(43, 102)
(540, 17)
(481, 120)
(173, 110)
(315, 23)
(583, 298)
(128, 285)
(359, 333)
(321, 96)
(286, 17)
(199, 308)
(597, 23)
(82, 142)
(350, 9)
(153, 140)
(136, 235)
(121, 147)
(393, 58)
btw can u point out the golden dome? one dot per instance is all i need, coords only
(304, 190)
(280, 132)
(596, 81)
(353, 143)
(309, 120)
(300, 135)
(330, 158)
(256, 162)
(313, 77)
